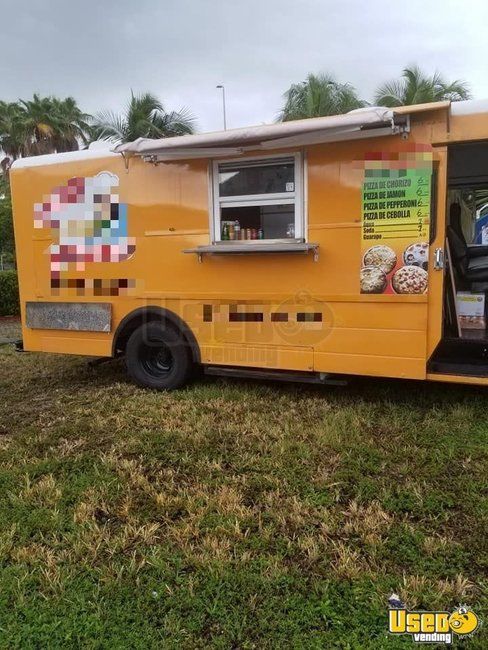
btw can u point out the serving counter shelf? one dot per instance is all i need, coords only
(255, 248)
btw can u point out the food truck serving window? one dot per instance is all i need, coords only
(258, 199)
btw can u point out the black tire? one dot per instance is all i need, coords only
(158, 356)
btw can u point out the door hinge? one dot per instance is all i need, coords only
(439, 259)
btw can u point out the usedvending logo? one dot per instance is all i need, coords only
(431, 627)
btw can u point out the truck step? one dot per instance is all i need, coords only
(472, 369)
(276, 375)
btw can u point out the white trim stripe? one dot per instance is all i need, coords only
(61, 158)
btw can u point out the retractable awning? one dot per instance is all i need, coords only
(367, 122)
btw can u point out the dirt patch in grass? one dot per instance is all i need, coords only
(232, 514)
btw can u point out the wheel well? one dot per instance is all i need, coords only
(143, 315)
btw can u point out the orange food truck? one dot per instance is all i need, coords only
(347, 245)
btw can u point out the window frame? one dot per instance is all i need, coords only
(296, 198)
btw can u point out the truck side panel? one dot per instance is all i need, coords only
(167, 210)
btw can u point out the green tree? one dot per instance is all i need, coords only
(31, 127)
(415, 87)
(11, 132)
(7, 245)
(53, 125)
(72, 126)
(317, 96)
(144, 117)
(38, 123)
(41, 125)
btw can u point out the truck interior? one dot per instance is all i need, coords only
(464, 346)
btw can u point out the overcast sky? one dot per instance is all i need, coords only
(180, 50)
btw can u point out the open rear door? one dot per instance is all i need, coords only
(458, 294)
(437, 252)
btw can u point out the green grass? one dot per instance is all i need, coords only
(233, 514)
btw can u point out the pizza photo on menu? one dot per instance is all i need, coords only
(373, 279)
(410, 279)
(417, 255)
(380, 256)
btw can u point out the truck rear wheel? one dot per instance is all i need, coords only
(157, 356)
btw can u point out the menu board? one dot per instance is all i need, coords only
(396, 206)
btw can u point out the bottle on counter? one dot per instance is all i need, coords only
(260, 233)
(237, 230)
(232, 231)
(225, 232)
(254, 233)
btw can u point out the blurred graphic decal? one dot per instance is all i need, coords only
(88, 224)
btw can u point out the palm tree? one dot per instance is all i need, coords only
(11, 132)
(415, 87)
(72, 126)
(144, 117)
(317, 96)
(41, 125)
(38, 123)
